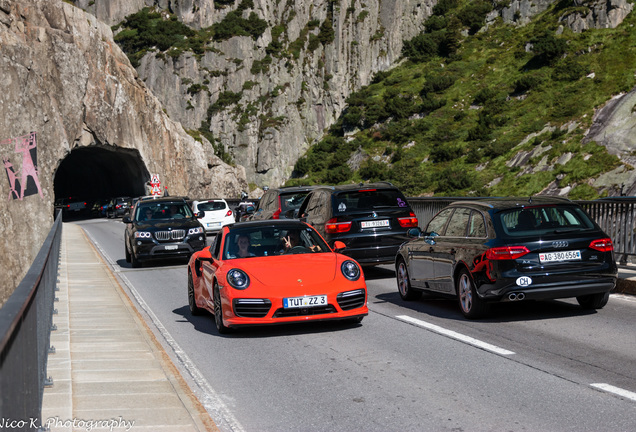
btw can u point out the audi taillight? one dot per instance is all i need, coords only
(506, 252)
(408, 222)
(602, 245)
(334, 227)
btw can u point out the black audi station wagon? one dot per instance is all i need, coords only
(162, 228)
(509, 249)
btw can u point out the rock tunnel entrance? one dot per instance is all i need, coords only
(96, 174)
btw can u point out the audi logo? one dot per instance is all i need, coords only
(560, 244)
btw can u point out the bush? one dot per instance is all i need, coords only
(548, 48)
(569, 70)
(454, 178)
(338, 175)
(526, 82)
(436, 83)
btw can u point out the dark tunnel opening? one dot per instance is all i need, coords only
(97, 174)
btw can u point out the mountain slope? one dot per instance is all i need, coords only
(488, 110)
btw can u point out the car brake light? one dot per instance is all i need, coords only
(229, 213)
(602, 245)
(506, 252)
(118, 206)
(408, 222)
(367, 190)
(333, 226)
(276, 214)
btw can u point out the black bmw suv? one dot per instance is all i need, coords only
(162, 228)
(371, 219)
(509, 249)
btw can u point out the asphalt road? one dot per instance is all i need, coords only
(409, 366)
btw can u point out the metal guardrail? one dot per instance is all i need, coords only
(25, 334)
(616, 216)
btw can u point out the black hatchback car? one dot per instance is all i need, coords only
(372, 219)
(162, 228)
(509, 249)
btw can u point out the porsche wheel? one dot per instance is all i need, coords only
(469, 302)
(218, 311)
(194, 309)
(404, 283)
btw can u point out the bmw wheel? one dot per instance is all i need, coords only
(404, 283)
(469, 302)
(218, 311)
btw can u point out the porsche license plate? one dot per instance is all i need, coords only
(375, 223)
(309, 301)
(560, 256)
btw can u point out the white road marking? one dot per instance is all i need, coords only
(454, 335)
(615, 390)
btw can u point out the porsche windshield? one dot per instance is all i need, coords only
(260, 241)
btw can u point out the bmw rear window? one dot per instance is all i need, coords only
(292, 201)
(540, 220)
(369, 199)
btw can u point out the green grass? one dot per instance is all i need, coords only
(455, 139)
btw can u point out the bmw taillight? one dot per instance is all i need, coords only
(334, 227)
(506, 252)
(602, 245)
(408, 222)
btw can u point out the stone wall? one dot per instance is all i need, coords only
(63, 78)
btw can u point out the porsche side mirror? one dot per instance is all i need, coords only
(198, 267)
(338, 245)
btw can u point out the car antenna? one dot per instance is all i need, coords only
(530, 200)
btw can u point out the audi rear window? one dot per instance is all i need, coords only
(540, 220)
(369, 200)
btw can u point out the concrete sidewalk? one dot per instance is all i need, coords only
(108, 370)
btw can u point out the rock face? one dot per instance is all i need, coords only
(63, 78)
(289, 103)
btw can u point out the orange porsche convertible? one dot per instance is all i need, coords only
(273, 272)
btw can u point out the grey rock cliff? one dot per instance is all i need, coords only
(64, 78)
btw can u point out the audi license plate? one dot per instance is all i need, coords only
(560, 256)
(309, 301)
(375, 223)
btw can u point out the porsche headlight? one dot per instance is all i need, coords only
(197, 230)
(350, 270)
(238, 279)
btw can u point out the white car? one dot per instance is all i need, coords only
(217, 214)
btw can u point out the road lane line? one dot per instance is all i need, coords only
(615, 390)
(454, 335)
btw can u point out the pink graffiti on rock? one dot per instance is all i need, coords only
(26, 147)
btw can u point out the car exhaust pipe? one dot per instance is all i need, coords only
(515, 296)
